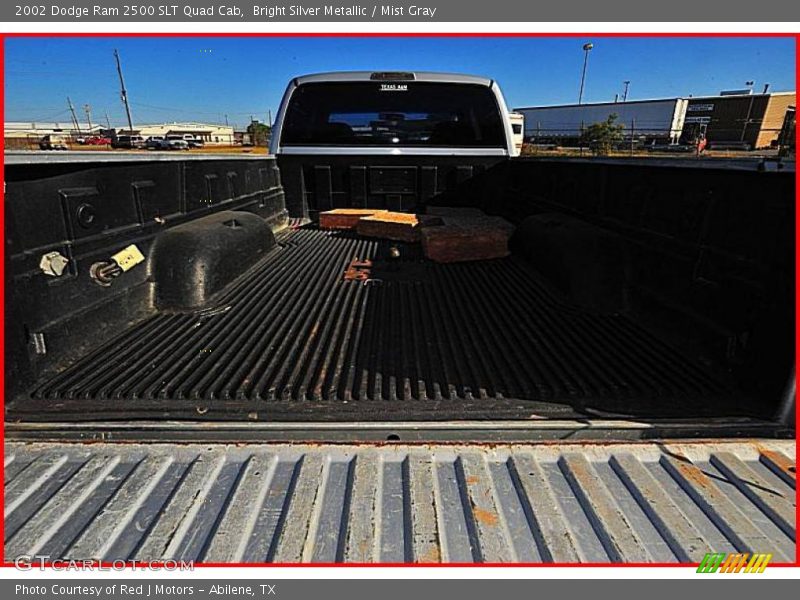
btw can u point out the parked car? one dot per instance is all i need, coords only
(175, 142)
(193, 141)
(97, 140)
(155, 142)
(53, 142)
(128, 142)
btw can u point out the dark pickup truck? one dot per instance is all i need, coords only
(247, 403)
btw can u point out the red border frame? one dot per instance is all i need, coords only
(3, 36)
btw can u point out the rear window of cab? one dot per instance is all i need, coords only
(411, 113)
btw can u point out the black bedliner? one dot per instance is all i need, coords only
(660, 291)
(292, 340)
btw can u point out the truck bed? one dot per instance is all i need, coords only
(563, 502)
(292, 340)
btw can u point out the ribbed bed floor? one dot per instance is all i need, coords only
(293, 340)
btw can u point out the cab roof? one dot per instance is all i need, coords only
(392, 76)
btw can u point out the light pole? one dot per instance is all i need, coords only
(586, 48)
(88, 110)
(749, 85)
(625, 93)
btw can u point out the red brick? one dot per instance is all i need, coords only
(460, 240)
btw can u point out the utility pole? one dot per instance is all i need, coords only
(226, 121)
(108, 122)
(124, 92)
(269, 119)
(625, 93)
(88, 110)
(586, 48)
(74, 118)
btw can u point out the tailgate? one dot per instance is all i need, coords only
(564, 502)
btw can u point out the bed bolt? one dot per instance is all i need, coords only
(53, 264)
(104, 273)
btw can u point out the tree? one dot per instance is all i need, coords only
(601, 136)
(259, 133)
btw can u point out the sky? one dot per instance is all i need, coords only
(205, 79)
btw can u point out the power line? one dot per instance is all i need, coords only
(175, 109)
(27, 119)
(192, 110)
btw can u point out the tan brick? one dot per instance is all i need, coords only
(401, 227)
(345, 218)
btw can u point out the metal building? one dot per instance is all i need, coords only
(23, 135)
(739, 119)
(211, 134)
(646, 120)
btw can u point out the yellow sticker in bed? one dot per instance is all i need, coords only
(129, 257)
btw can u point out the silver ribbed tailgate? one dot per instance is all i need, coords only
(636, 502)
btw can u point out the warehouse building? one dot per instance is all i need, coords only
(23, 136)
(212, 135)
(739, 119)
(21, 129)
(646, 120)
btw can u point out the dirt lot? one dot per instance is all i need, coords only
(529, 150)
(206, 150)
